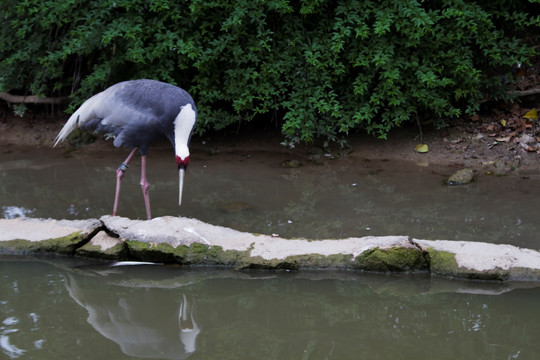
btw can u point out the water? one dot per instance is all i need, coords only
(251, 191)
(55, 308)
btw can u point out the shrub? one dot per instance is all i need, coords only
(322, 68)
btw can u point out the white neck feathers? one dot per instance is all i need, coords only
(183, 125)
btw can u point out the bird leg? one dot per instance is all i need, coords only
(119, 175)
(144, 186)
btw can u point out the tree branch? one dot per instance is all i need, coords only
(531, 91)
(32, 99)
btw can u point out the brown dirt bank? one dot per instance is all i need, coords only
(485, 145)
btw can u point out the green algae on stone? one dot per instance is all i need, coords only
(524, 274)
(318, 261)
(196, 254)
(395, 259)
(104, 246)
(117, 252)
(62, 245)
(258, 262)
(201, 254)
(444, 263)
(144, 251)
(296, 262)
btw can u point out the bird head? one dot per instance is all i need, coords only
(182, 162)
(183, 127)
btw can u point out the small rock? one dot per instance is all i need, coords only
(461, 177)
(526, 140)
(503, 167)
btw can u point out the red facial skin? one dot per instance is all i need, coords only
(182, 164)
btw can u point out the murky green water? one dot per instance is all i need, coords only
(56, 308)
(253, 192)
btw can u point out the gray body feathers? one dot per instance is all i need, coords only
(135, 112)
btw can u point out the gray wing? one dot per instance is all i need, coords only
(135, 112)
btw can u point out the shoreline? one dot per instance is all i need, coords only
(455, 146)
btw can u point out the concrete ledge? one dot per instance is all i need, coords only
(27, 236)
(192, 242)
(478, 260)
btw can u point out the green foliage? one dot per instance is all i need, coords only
(321, 68)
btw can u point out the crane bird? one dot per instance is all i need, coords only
(136, 113)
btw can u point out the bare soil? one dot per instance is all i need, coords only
(500, 142)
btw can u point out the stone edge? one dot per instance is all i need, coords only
(191, 242)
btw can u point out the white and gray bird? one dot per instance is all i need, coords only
(137, 113)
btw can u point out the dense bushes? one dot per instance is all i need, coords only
(318, 68)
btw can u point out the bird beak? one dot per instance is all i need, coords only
(181, 172)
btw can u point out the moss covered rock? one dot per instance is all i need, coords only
(394, 259)
(104, 246)
(442, 263)
(194, 254)
(62, 245)
(461, 177)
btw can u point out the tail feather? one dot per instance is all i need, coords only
(70, 125)
(83, 113)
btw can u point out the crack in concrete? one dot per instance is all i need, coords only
(424, 253)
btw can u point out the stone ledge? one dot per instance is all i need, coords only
(30, 236)
(192, 242)
(481, 260)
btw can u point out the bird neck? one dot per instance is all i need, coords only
(183, 126)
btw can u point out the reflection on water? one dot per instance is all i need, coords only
(327, 199)
(147, 325)
(52, 309)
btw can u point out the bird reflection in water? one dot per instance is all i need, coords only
(144, 322)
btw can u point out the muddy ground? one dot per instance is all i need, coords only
(499, 142)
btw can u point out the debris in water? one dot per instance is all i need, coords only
(421, 148)
(132, 263)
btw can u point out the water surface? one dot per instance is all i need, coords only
(251, 191)
(55, 308)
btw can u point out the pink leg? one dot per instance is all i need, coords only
(144, 186)
(119, 175)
